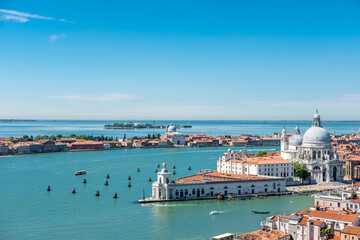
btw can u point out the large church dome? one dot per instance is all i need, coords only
(316, 135)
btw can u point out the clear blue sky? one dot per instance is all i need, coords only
(179, 59)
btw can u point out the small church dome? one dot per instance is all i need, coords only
(171, 128)
(296, 140)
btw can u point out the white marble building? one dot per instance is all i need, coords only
(210, 184)
(239, 163)
(314, 151)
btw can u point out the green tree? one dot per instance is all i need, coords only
(300, 171)
(37, 138)
(261, 153)
(58, 137)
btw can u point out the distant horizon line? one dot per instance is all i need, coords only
(38, 119)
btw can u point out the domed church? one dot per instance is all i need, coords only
(314, 151)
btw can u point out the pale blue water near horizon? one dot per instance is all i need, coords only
(214, 128)
(28, 211)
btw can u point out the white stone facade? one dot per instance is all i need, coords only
(231, 162)
(165, 189)
(314, 151)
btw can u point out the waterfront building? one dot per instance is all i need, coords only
(36, 147)
(59, 146)
(21, 148)
(272, 165)
(4, 149)
(315, 151)
(209, 184)
(176, 138)
(87, 145)
(47, 145)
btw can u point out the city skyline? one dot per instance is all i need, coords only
(180, 61)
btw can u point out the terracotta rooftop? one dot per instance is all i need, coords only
(351, 230)
(329, 215)
(263, 235)
(275, 218)
(215, 176)
(262, 160)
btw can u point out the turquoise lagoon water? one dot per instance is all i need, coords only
(215, 128)
(28, 211)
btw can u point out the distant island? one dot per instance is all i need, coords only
(133, 125)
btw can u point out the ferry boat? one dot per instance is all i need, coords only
(81, 172)
(214, 213)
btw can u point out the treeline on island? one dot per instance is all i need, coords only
(132, 125)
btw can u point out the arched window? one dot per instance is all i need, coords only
(265, 185)
(211, 188)
(193, 191)
(252, 186)
(186, 192)
(159, 180)
(167, 180)
(239, 186)
(225, 187)
(177, 193)
(202, 191)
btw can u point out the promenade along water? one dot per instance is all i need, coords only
(28, 211)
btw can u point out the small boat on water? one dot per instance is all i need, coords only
(214, 213)
(81, 172)
(259, 212)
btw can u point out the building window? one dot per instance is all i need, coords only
(186, 192)
(202, 191)
(193, 191)
(177, 193)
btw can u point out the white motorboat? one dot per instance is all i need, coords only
(81, 172)
(214, 213)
